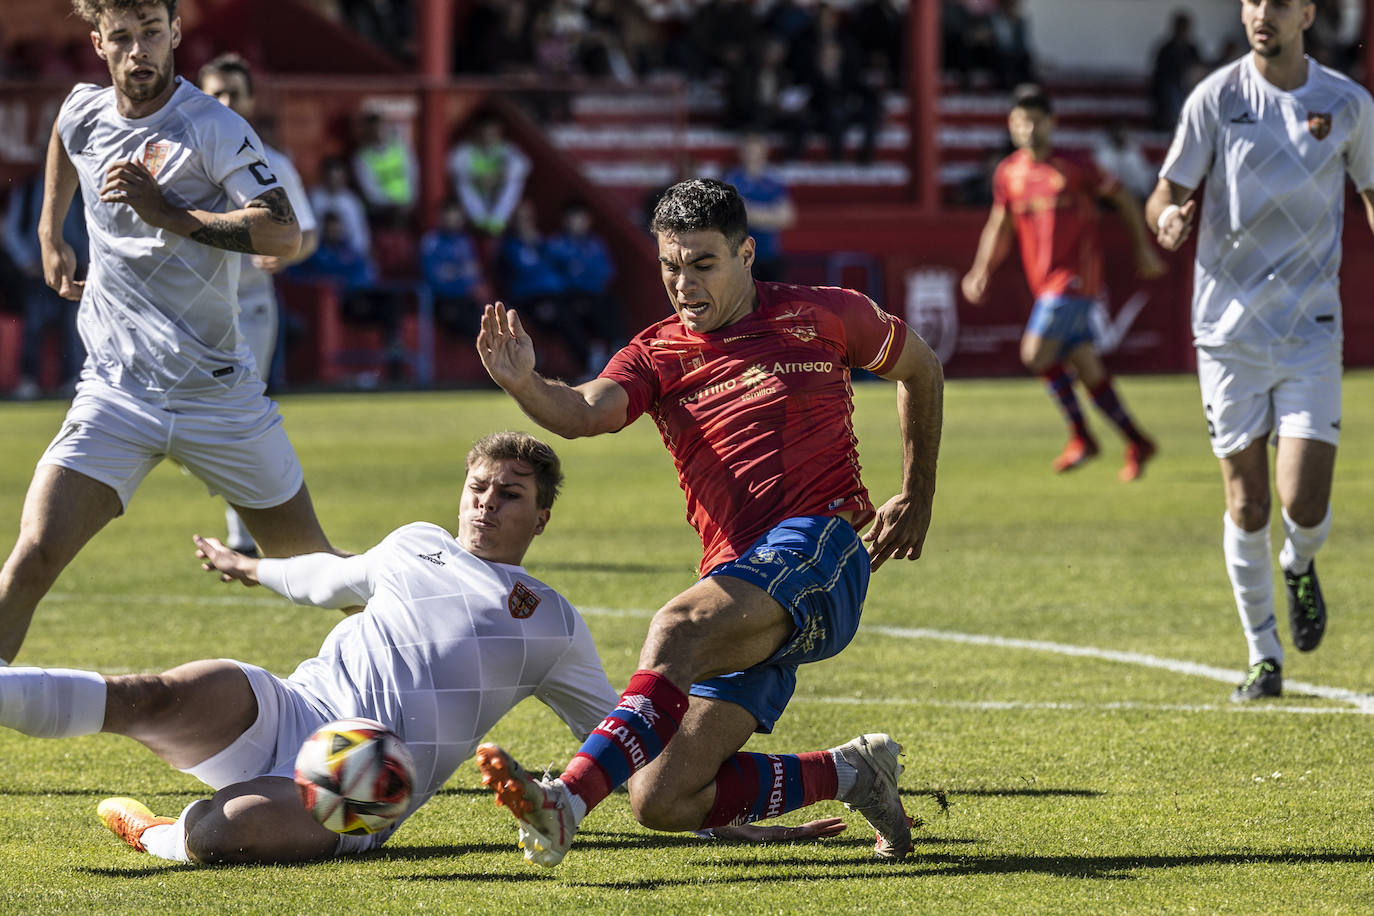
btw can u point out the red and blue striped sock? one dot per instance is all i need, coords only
(754, 787)
(631, 735)
(1104, 395)
(1060, 386)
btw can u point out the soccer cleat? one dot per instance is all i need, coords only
(1306, 608)
(875, 792)
(1264, 679)
(128, 818)
(1077, 451)
(541, 806)
(1137, 453)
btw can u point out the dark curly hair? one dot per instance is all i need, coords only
(700, 205)
(91, 10)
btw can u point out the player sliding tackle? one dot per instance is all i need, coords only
(749, 385)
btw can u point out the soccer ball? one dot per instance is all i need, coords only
(355, 776)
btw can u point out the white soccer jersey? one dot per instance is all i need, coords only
(256, 294)
(448, 644)
(159, 310)
(1269, 239)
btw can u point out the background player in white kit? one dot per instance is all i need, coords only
(230, 80)
(175, 187)
(1274, 135)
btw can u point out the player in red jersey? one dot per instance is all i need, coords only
(1049, 202)
(749, 383)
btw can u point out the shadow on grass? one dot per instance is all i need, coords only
(1120, 868)
(1007, 793)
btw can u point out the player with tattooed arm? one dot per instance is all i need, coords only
(175, 188)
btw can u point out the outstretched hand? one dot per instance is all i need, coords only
(506, 350)
(753, 833)
(899, 530)
(230, 564)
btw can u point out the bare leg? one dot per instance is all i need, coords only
(1245, 475)
(184, 715)
(63, 510)
(287, 530)
(1303, 470)
(676, 791)
(262, 821)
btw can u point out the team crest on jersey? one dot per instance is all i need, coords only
(691, 361)
(1319, 123)
(521, 601)
(805, 335)
(155, 155)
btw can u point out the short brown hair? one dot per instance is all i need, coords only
(226, 64)
(92, 10)
(517, 446)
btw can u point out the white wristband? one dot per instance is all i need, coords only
(1165, 214)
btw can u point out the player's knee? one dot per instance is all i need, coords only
(1251, 512)
(662, 810)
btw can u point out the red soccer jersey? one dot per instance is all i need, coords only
(758, 415)
(1054, 207)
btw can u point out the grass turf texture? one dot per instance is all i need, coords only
(1072, 782)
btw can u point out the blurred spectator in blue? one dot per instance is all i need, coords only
(532, 283)
(334, 195)
(768, 204)
(386, 169)
(350, 271)
(583, 259)
(488, 174)
(452, 271)
(1178, 65)
(42, 307)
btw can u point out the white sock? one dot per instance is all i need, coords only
(575, 802)
(1250, 567)
(52, 702)
(168, 841)
(1301, 544)
(237, 537)
(845, 774)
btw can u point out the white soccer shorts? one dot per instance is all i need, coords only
(1292, 390)
(268, 747)
(232, 441)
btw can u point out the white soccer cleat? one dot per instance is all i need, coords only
(875, 792)
(541, 806)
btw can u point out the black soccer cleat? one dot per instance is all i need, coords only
(1306, 608)
(1264, 679)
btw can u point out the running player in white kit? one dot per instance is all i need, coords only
(229, 80)
(1273, 134)
(175, 189)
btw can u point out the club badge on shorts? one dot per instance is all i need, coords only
(1319, 123)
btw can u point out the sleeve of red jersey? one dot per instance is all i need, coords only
(873, 338)
(632, 368)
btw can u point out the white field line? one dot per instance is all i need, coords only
(1362, 702)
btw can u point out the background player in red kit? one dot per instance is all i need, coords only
(749, 383)
(1050, 203)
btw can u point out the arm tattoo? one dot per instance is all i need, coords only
(229, 234)
(277, 205)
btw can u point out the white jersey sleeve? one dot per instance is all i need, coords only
(577, 689)
(256, 294)
(319, 579)
(1190, 155)
(158, 313)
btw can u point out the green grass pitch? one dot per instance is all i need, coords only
(1057, 665)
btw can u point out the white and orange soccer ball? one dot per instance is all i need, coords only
(355, 776)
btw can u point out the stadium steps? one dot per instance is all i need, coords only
(630, 143)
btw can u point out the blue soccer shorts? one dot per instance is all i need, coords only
(816, 567)
(1067, 319)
